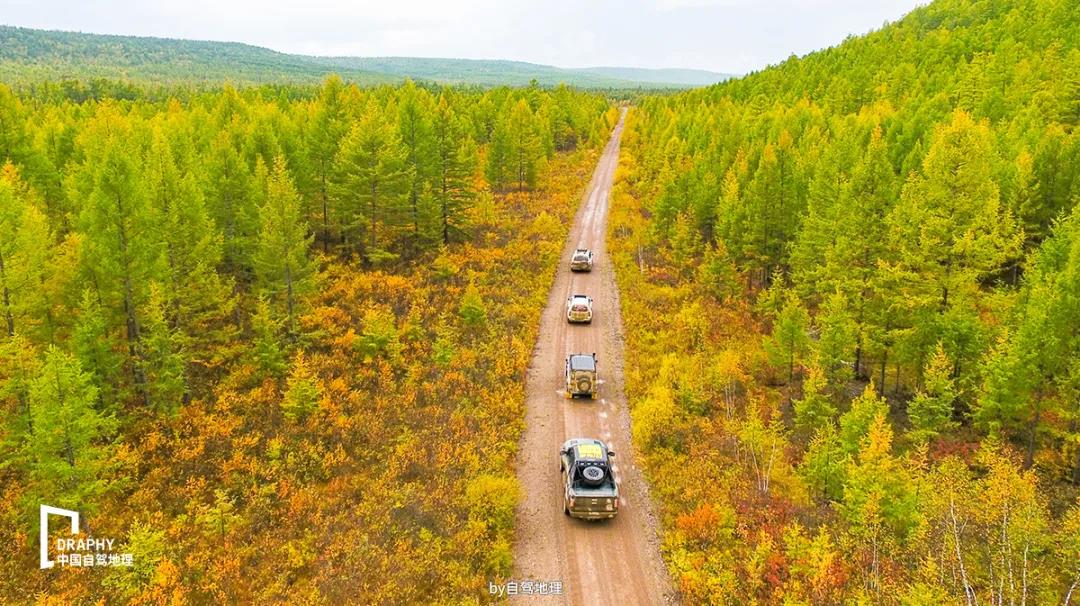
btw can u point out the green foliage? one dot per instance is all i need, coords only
(164, 355)
(301, 392)
(159, 256)
(856, 422)
(789, 341)
(824, 466)
(472, 310)
(266, 350)
(878, 489)
(91, 344)
(452, 174)
(148, 547)
(904, 200)
(21, 367)
(68, 454)
(515, 154)
(284, 270)
(379, 335)
(371, 178)
(815, 409)
(931, 409)
(836, 340)
(1031, 368)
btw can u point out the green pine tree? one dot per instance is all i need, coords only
(931, 410)
(282, 265)
(69, 452)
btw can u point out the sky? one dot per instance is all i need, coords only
(728, 36)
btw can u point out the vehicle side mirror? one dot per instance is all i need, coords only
(611, 454)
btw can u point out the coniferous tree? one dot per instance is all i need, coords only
(328, 127)
(370, 178)
(497, 168)
(30, 270)
(1026, 366)
(164, 355)
(196, 295)
(282, 265)
(836, 340)
(19, 367)
(92, 345)
(855, 423)
(859, 248)
(231, 200)
(824, 465)
(302, 393)
(16, 144)
(418, 162)
(950, 232)
(815, 409)
(266, 350)
(932, 408)
(789, 340)
(10, 216)
(454, 164)
(67, 455)
(120, 245)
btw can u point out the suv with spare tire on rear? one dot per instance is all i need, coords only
(581, 376)
(589, 488)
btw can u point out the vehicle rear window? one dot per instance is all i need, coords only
(589, 451)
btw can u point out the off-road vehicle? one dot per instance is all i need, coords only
(579, 309)
(581, 375)
(581, 260)
(589, 488)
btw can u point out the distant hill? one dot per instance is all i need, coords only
(491, 72)
(681, 77)
(32, 54)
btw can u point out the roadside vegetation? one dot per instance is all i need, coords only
(853, 336)
(274, 341)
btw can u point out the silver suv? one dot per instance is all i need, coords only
(581, 260)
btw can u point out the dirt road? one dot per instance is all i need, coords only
(611, 562)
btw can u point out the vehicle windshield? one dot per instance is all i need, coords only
(582, 363)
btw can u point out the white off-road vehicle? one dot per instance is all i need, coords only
(579, 309)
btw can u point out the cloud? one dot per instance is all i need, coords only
(671, 5)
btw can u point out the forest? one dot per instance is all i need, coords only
(273, 336)
(274, 339)
(854, 345)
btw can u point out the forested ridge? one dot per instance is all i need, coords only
(31, 57)
(854, 337)
(273, 340)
